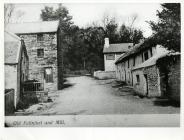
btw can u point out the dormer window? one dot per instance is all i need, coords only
(39, 37)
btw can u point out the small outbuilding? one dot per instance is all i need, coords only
(112, 52)
(16, 64)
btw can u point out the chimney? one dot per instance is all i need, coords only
(106, 45)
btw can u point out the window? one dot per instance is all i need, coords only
(39, 37)
(110, 57)
(151, 52)
(128, 63)
(145, 56)
(138, 78)
(48, 74)
(134, 61)
(40, 53)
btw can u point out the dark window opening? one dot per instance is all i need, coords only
(151, 52)
(40, 53)
(39, 37)
(145, 56)
(128, 63)
(138, 78)
(110, 56)
(134, 61)
(48, 75)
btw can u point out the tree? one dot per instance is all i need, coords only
(65, 23)
(110, 26)
(11, 14)
(8, 11)
(168, 29)
(61, 13)
(130, 34)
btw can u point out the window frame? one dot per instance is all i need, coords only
(151, 52)
(138, 78)
(134, 61)
(146, 55)
(110, 58)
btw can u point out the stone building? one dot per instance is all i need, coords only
(170, 71)
(112, 52)
(138, 68)
(43, 44)
(146, 76)
(16, 63)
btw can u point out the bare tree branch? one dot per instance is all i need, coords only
(8, 11)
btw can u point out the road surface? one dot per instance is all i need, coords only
(88, 96)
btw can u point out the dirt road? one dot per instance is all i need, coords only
(89, 96)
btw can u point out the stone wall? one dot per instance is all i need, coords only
(153, 81)
(37, 64)
(104, 74)
(147, 87)
(174, 81)
(170, 69)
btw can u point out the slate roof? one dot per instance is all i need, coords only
(117, 48)
(33, 27)
(12, 46)
(136, 49)
(152, 61)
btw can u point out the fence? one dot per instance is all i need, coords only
(33, 86)
(34, 92)
(9, 101)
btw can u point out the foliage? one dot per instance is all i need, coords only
(129, 34)
(61, 13)
(167, 30)
(83, 47)
(8, 11)
(111, 31)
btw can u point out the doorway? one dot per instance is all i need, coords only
(146, 84)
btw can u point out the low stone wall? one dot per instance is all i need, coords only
(105, 74)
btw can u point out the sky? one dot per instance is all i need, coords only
(85, 13)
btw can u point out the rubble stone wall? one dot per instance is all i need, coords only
(38, 64)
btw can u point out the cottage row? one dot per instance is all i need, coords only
(33, 56)
(153, 71)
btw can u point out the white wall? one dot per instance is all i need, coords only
(11, 80)
(140, 87)
(123, 72)
(110, 64)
